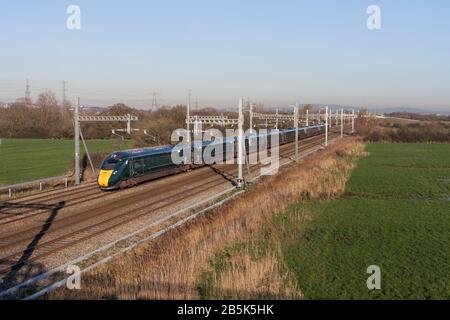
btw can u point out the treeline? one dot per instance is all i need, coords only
(411, 133)
(421, 117)
(46, 119)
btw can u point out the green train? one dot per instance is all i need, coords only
(123, 169)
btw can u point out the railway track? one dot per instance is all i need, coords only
(53, 193)
(70, 239)
(70, 197)
(76, 218)
(14, 238)
(69, 230)
(30, 211)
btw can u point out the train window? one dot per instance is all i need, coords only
(113, 160)
(138, 166)
(110, 164)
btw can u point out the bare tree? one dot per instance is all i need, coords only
(48, 105)
(308, 107)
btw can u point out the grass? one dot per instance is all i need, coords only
(23, 160)
(406, 239)
(394, 214)
(410, 171)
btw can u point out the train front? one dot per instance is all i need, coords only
(113, 171)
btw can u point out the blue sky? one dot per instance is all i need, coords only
(277, 52)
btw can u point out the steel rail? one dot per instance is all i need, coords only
(91, 230)
(22, 215)
(51, 193)
(61, 268)
(27, 234)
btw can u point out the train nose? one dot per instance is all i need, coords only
(103, 178)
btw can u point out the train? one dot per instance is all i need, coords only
(129, 168)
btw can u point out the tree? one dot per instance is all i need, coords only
(308, 107)
(120, 109)
(48, 106)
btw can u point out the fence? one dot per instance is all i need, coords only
(31, 184)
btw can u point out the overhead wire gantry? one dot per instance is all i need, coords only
(86, 118)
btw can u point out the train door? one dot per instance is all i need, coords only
(138, 167)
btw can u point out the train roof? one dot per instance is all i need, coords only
(145, 151)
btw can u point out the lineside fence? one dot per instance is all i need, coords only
(41, 184)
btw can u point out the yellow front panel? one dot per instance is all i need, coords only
(103, 178)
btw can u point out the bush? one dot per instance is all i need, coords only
(376, 136)
(410, 133)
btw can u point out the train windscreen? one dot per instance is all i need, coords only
(111, 162)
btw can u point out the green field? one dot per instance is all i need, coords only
(395, 214)
(24, 160)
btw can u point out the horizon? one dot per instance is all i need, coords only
(283, 109)
(319, 53)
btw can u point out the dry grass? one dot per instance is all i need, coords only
(255, 270)
(173, 266)
(250, 277)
